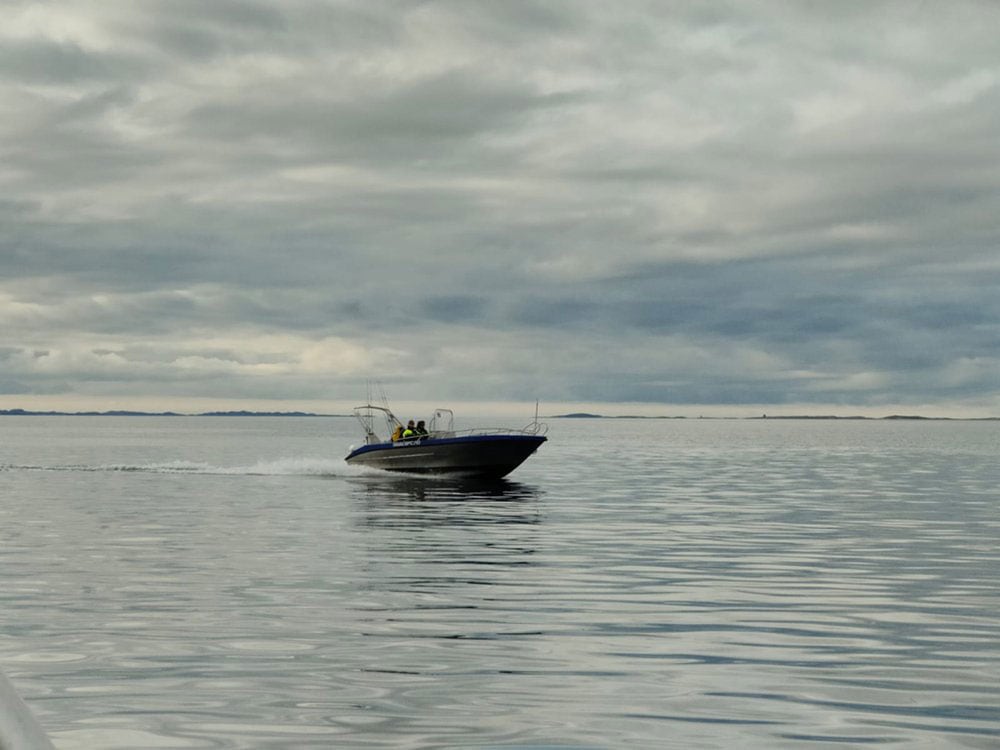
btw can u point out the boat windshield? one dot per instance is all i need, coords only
(442, 421)
(372, 418)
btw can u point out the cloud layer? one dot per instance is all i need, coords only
(723, 203)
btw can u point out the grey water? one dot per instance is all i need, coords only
(229, 583)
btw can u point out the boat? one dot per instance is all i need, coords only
(480, 453)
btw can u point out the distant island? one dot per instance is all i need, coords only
(901, 417)
(125, 413)
(587, 415)
(571, 415)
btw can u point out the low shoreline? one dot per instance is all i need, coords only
(574, 415)
(764, 417)
(127, 413)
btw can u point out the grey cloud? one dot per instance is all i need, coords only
(200, 31)
(99, 259)
(49, 62)
(192, 29)
(455, 308)
(411, 121)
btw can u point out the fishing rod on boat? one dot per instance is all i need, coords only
(536, 427)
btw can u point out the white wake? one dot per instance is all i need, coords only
(289, 466)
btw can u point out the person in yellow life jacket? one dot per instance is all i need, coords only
(408, 432)
(397, 434)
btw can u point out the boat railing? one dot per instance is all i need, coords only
(538, 428)
(440, 423)
(476, 432)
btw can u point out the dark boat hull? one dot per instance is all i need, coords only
(488, 456)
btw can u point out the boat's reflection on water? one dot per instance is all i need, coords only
(436, 556)
(403, 500)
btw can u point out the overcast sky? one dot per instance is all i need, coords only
(706, 207)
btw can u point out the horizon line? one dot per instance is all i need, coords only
(19, 412)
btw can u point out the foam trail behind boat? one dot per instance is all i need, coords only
(290, 466)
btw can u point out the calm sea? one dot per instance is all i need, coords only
(229, 583)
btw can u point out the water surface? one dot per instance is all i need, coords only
(230, 583)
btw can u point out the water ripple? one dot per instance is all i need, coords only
(701, 584)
